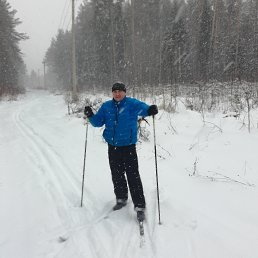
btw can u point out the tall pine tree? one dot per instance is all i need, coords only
(11, 63)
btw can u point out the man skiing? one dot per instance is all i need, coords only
(120, 116)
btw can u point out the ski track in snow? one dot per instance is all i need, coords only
(112, 226)
(64, 189)
(41, 152)
(94, 231)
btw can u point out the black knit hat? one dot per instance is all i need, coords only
(118, 86)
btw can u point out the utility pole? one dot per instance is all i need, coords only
(38, 80)
(44, 64)
(74, 80)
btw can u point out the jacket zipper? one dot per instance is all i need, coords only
(116, 122)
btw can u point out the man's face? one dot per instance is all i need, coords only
(118, 95)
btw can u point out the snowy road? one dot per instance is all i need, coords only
(40, 187)
(41, 159)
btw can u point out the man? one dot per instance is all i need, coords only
(120, 116)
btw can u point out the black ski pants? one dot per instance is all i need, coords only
(123, 163)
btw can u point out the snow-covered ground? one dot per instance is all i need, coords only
(208, 177)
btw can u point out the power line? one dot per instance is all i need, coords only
(69, 23)
(62, 15)
(77, 3)
(66, 13)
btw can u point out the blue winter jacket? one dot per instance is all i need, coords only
(120, 120)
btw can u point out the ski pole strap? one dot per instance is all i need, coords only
(143, 119)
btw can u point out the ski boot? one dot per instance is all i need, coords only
(140, 214)
(120, 203)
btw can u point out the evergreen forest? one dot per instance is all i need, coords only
(151, 43)
(12, 67)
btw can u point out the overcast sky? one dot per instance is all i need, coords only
(40, 21)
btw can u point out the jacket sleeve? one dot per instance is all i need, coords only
(98, 119)
(141, 108)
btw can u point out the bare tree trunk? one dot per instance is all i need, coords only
(237, 72)
(160, 41)
(213, 37)
(256, 40)
(179, 65)
(74, 76)
(113, 74)
(248, 97)
(133, 47)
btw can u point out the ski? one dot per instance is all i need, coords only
(141, 228)
(63, 238)
(140, 218)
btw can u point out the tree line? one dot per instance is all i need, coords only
(158, 42)
(12, 67)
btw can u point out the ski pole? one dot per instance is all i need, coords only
(85, 151)
(156, 166)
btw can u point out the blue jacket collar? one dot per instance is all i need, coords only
(119, 102)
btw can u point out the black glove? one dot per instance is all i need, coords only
(88, 111)
(153, 110)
